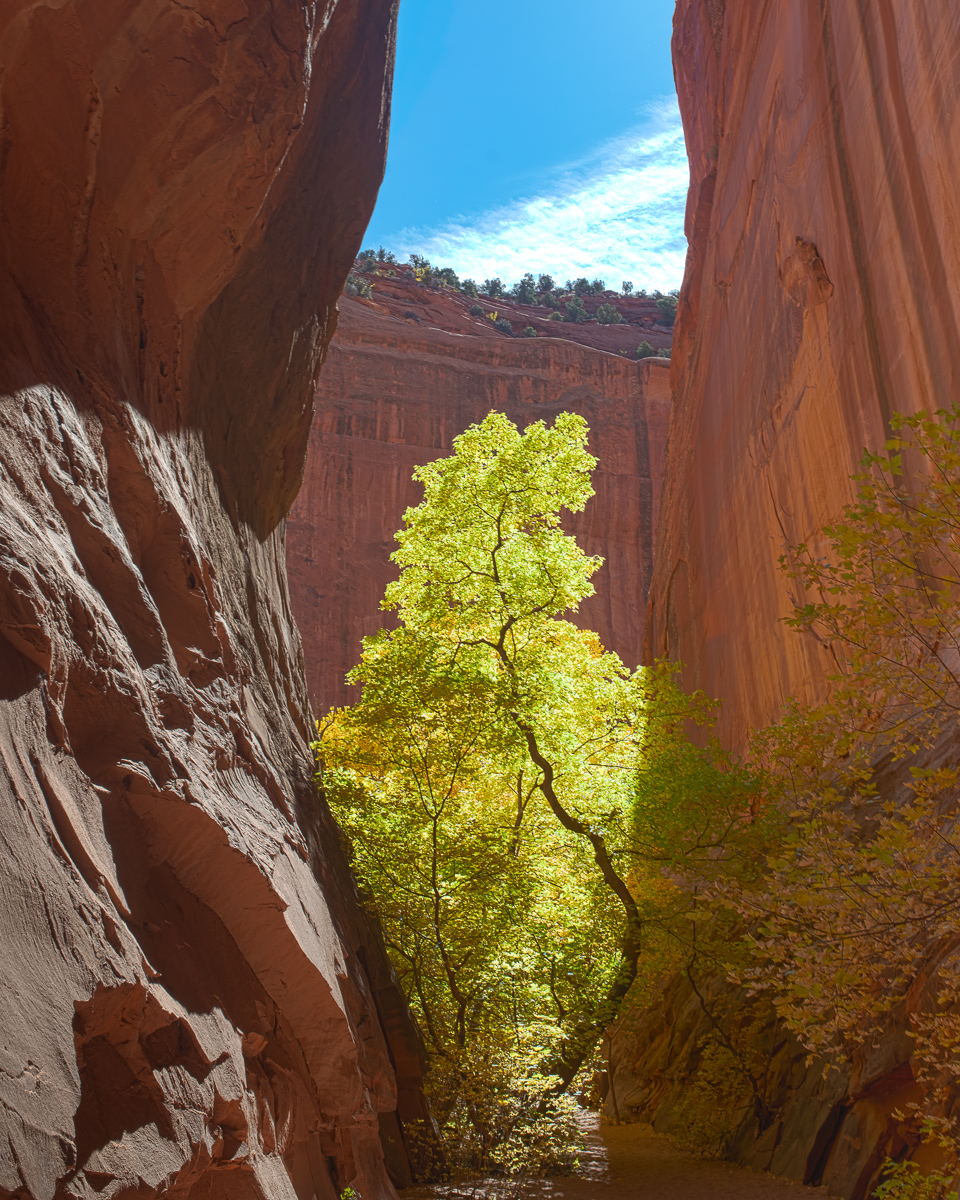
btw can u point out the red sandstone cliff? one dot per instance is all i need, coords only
(408, 371)
(820, 296)
(190, 1001)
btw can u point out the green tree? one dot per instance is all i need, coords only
(576, 312)
(529, 331)
(469, 287)
(476, 310)
(668, 307)
(545, 283)
(486, 697)
(607, 314)
(525, 291)
(598, 286)
(493, 287)
(626, 288)
(506, 787)
(581, 286)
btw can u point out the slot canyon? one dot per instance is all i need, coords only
(205, 452)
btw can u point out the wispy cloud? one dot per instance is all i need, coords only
(618, 214)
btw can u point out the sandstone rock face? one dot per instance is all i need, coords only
(190, 1000)
(394, 393)
(820, 296)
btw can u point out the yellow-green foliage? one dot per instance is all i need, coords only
(859, 903)
(499, 782)
(904, 1181)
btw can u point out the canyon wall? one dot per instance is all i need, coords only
(406, 373)
(191, 1001)
(820, 297)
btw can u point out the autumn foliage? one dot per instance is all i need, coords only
(544, 833)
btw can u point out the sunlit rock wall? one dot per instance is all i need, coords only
(394, 394)
(184, 1006)
(820, 296)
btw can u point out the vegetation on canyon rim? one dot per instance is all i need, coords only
(541, 837)
(566, 301)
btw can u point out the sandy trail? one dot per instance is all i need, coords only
(631, 1162)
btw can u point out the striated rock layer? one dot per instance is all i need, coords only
(820, 296)
(394, 393)
(190, 1000)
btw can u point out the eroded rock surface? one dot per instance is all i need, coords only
(820, 296)
(406, 373)
(190, 1000)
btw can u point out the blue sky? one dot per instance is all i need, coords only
(536, 135)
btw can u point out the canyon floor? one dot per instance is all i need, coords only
(631, 1162)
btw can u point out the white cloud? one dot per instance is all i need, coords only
(618, 214)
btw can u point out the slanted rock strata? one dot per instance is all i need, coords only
(184, 1004)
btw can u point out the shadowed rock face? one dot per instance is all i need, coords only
(182, 999)
(820, 296)
(394, 393)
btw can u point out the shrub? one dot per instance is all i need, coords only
(529, 331)
(904, 1181)
(576, 311)
(645, 350)
(356, 285)
(503, 325)
(493, 287)
(663, 352)
(469, 287)
(499, 1115)
(545, 283)
(608, 315)
(555, 316)
(549, 300)
(419, 262)
(476, 310)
